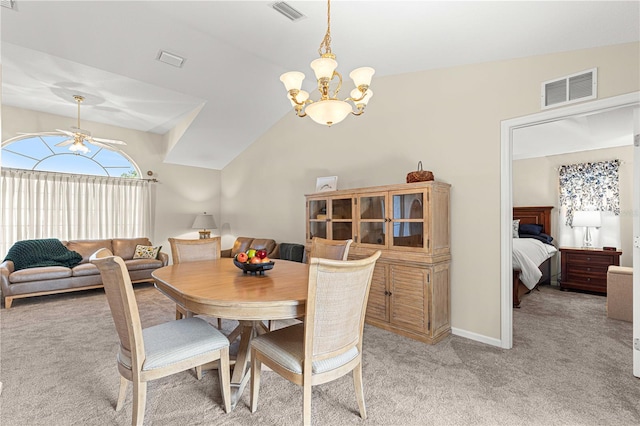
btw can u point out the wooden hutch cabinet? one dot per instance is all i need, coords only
(410, 224)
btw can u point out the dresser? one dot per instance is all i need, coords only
(410, 225)
(586, 268)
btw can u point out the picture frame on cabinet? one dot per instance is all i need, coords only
(326, 183)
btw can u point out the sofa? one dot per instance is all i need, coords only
(18, 283)
(620, 293)
(246, 243)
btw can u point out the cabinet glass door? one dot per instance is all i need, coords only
(317, 219)
(408, 219)
(373, 220)
(341, 223)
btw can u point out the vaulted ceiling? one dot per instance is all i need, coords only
(228, 88)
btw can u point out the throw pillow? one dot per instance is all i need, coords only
(146, 252)
(516, 227)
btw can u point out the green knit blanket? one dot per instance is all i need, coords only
(46, 252)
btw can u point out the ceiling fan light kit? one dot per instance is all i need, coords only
(78, 136)
(328, 109)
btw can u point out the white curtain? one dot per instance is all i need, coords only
(67, 207)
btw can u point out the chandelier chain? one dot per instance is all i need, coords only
(326, 41)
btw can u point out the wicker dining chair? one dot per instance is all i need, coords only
(330, 249)
(328, 344)
(192, 251)
(158, 351)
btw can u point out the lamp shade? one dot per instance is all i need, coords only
(328, 112)
(204, 221)
(292, 80)
(362, 76)
(586, 218)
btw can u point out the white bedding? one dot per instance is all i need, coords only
(528, 255)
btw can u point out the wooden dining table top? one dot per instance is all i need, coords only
(219, 288)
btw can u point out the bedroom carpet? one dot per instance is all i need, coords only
(570, 365)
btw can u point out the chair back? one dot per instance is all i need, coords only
(336, 306)
(122, 303)
(194, 250)
(330, 249)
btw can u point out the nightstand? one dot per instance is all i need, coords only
(586, 268)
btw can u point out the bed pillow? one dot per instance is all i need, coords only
(530, 228)
(146, 252)
(516, 227)
(541, 237)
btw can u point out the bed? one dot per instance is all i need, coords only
(532, 250)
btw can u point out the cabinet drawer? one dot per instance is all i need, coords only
(589, 259)
(584, 277)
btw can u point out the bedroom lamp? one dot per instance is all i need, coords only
(588, 219)
(328, 109)
(205, 222)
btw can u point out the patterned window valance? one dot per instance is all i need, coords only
(590, 186)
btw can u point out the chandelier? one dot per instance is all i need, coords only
(328, 109)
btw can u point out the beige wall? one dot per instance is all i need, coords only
(449, 119)
(181, 192)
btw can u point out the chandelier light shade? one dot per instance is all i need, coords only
(204, 222)
(328, 110)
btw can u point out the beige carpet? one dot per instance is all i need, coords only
(570, 366)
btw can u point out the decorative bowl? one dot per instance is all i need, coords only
(254, 268)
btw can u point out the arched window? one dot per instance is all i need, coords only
(40, 153)
(48, 191)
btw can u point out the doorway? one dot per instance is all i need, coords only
(507, 130)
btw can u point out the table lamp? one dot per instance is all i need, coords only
(204, 221)
(588, 219)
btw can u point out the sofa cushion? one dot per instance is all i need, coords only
(84, 269)
(87, 247)
(241, 244)
(139, 264)
(126, 247)
(40, 274)
(263, 243)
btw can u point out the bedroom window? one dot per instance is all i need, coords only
(49, 192)
(590, 186)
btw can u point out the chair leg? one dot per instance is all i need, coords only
(357, 383)
(219, 323)
(306, 401)
(180, 313)
(122, 394)
(256, 367)
(139, 402)
(224, 375)
(199, 372)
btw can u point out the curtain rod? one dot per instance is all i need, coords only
(42, 172)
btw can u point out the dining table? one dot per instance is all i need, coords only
(220, 289)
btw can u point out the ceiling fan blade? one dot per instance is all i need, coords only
(102, 145)
(111, 141)
(65, 142)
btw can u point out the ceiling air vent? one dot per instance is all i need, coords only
(573, 88)
(287, 11)
(7, 3)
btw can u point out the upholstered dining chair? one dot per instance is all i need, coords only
(330, 249)
(192, 251)
(158, 351)
(328, 344)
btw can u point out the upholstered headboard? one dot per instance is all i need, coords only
(535, 215)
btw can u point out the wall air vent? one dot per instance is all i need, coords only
(573, 88)
(287, 11)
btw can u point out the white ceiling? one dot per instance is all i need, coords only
(236, 50)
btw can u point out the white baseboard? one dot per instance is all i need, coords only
(477, 337)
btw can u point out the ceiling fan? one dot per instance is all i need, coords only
(78, 136)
